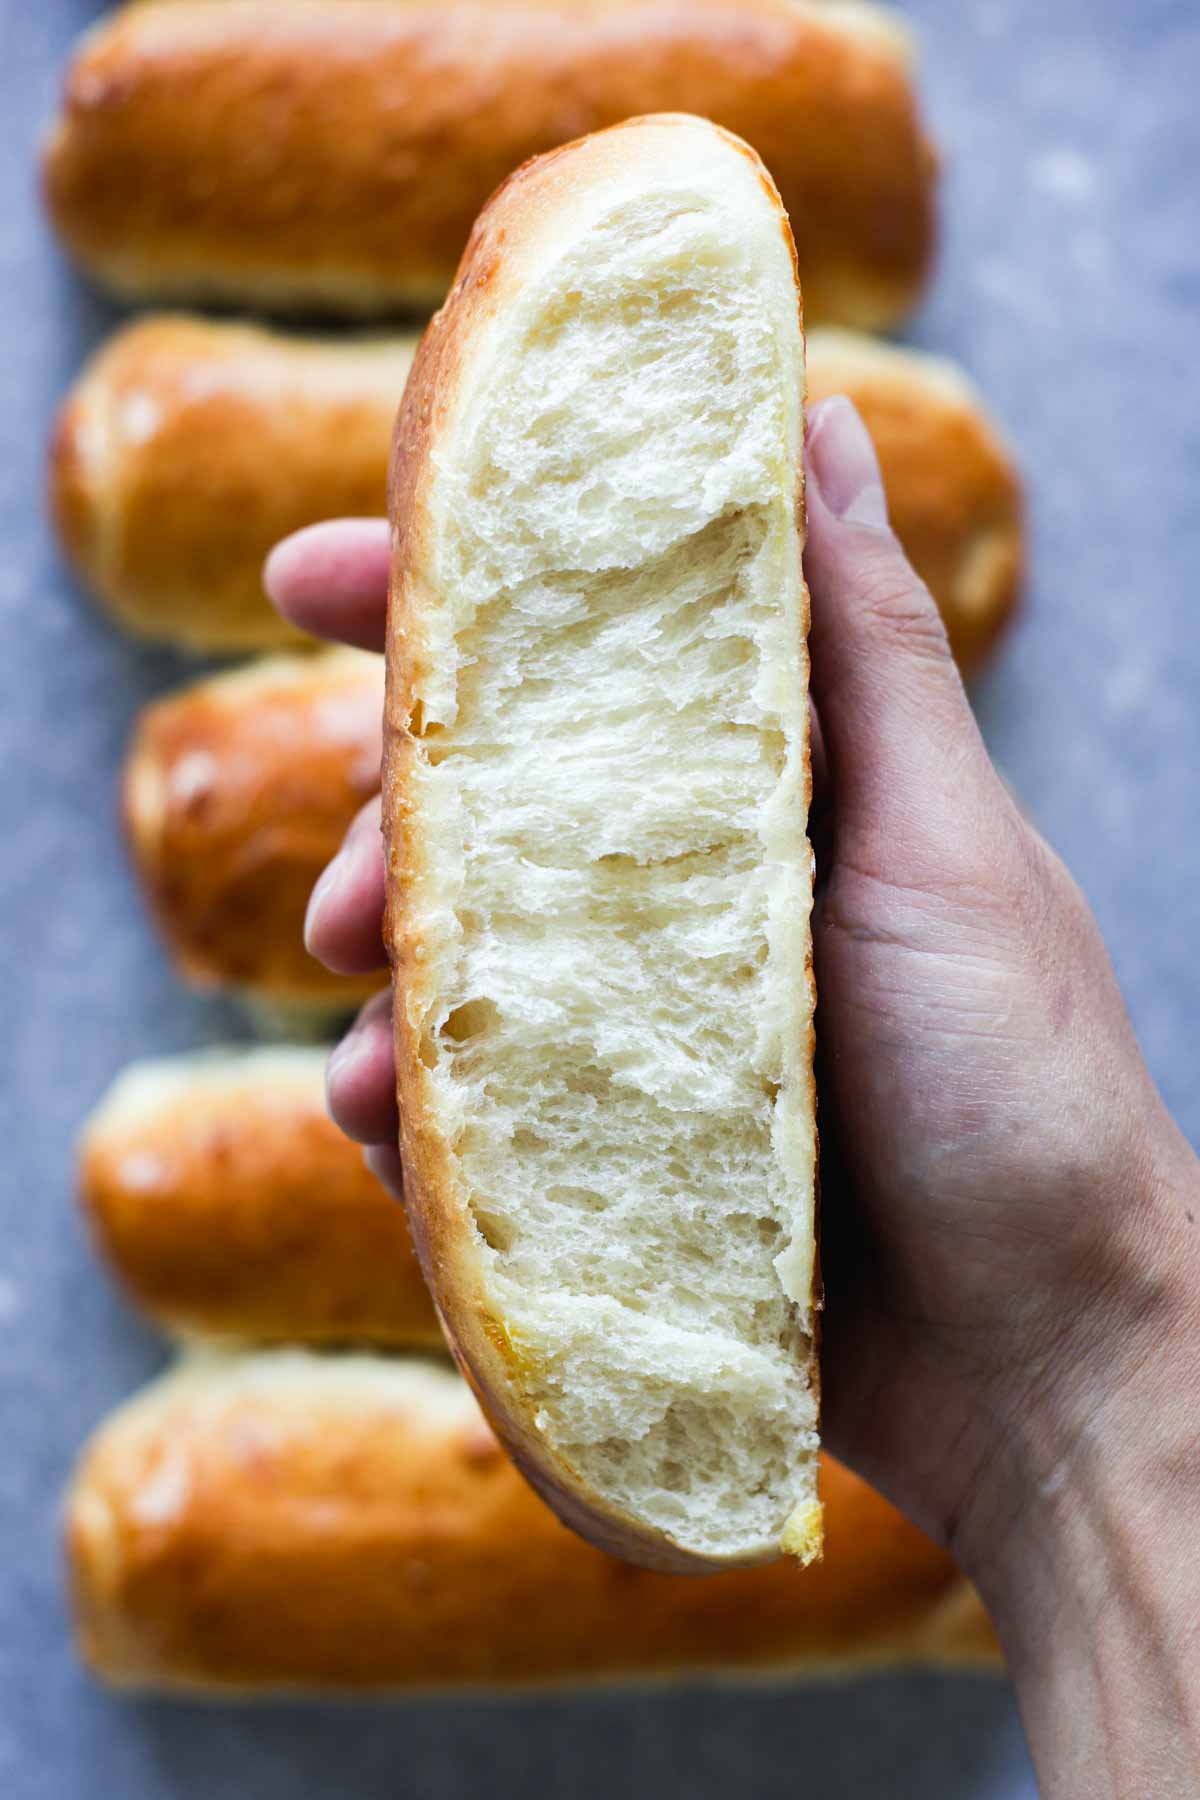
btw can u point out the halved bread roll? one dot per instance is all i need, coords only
(332, 154)
(229, 1205)
(237, 791)
(287, 1521)
(595, 796)
(188, 447)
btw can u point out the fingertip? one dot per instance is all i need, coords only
(331, 580)
(843, 465)
(278, 570)
(327, 884)
(384, 1162)
(872, 615)
(286, 572)
(360, 1081)
(343, 925)
(896, 728)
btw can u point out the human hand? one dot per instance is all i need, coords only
(994, 1150)
(1007, 1206)
(1004, 1212)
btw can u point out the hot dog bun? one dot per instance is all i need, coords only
(237, 790)
(230, 1206)
(334, 153)
(595, 794)
(188, 447)
(289, 1521)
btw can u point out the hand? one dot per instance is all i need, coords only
(1008, 1211)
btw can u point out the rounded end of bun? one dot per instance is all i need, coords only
(988, 591)
(237, 790)
(71, 486)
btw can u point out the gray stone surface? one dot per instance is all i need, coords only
(1069, 286)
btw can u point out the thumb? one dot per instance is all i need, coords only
(899, 734)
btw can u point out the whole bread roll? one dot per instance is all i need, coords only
(188, 447)
(230, 1206)
(286, 1521)
(237, 790)
(332, 154)
(595, 793)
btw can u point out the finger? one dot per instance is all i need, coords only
(331, 580)
(383, 1160)
(899, 736)
(343, 927)
(820, 808)
(360, 1080)
(817, 758)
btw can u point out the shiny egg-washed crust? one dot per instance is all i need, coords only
(290, 1522)
(237, 790)
(230, 1206)
(520, 218)
(334, 153)
(188, 448)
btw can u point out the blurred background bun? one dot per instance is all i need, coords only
(188, 447)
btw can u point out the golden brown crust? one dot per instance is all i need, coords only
(230, 1205)
(530, 206)
(187, 449)
(169, 524)
(237, 791)
(952, 489)
(333, 153)
(293, 1533)
(74, 497)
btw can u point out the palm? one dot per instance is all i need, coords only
(963, 991)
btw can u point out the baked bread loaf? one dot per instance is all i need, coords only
(290, 1521)
(230, 1206)
(595, 793)
(333, 154)
(188, 447)
(237, 791)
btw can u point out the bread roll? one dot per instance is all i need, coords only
(289, 1521)
(237, 790)
(332, 154)
(189, 447)
(595, 792)
(229, 1204)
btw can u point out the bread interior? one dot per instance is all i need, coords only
(612, 784)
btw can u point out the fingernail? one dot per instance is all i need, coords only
(327, 884)
(843, 464)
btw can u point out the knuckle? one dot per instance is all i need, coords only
(895, 602)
